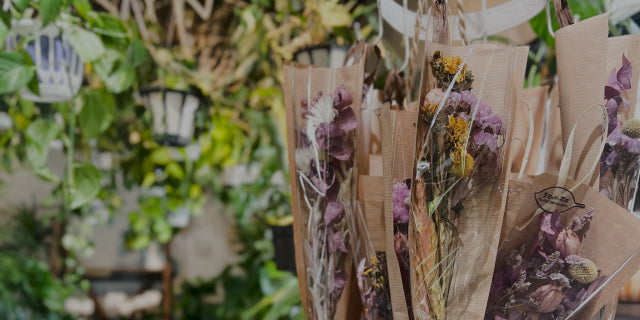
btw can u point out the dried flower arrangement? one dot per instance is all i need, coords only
(326, 169)
(619, 162)
(550, 279)
(459, 156)
(373, 283)
(401, 195)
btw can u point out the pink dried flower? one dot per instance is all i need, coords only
(567, 242)
(400, 193)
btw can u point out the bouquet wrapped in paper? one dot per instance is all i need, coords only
(560, 257)
(398, 132)
(461, 149)
(323, 112)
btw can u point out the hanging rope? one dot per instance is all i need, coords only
(462, 23)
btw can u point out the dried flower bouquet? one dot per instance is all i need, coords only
(326, 170)
(459, 156)
(619, 164)
(548, 279)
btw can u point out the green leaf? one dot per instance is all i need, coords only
(21, 4)
(46, 174)
(162, 230)
(175, 170)
(83, 7)
(97, 113)
(15, 73)
(87, 44)
(161, 156)
(120, 81)
(104, 65)
(49, 10)
(149, 179)
(33, 85)
(39, 134)
(85, 186)
(136, 54)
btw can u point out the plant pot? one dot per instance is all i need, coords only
(285, 257)
(173, 114)
(332, 56)
(59, 68)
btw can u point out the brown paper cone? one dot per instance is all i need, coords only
(303, 81)
(581, 55)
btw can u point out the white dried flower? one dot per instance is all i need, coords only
(304, 156)
(320, 112)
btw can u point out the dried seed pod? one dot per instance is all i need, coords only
(546, 299)
(584, 273)
(568, 242)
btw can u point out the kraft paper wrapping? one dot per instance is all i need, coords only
(495, 68)
(553, 141)
(536, 98)
(611, 242)
(372, 196)
(302, 81)
(582, 74)
(398, 142)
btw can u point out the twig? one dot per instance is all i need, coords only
(563, 13)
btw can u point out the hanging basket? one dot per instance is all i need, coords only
(59, 68)
(174, 114)
(332, 56)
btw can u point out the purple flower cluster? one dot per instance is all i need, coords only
(619, 82)
(401, 208)
(547, 280)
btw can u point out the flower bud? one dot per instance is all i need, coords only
(547, 298)
(568, 242)
(584, 273)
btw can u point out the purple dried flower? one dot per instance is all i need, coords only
(581, 225)
(342, 98)
(400, 193)
(486, 139)
(333, 213)
(336, 242)
(488, 121)
(338, 283)
(575, 260)
(324, 177)
(621, 80)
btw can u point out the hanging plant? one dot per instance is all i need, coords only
(174, 114)
(59, 68)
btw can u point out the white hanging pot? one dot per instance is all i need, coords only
(173, 114)
(59, 68)
(332, 56)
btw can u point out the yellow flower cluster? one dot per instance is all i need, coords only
(458, 131)
(451, 64)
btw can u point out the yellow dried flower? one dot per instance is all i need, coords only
(632, 128)
(460, 168)
(584, 274)
(457, 130)
(451, 64)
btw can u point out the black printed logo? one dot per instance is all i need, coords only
(558, 198)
